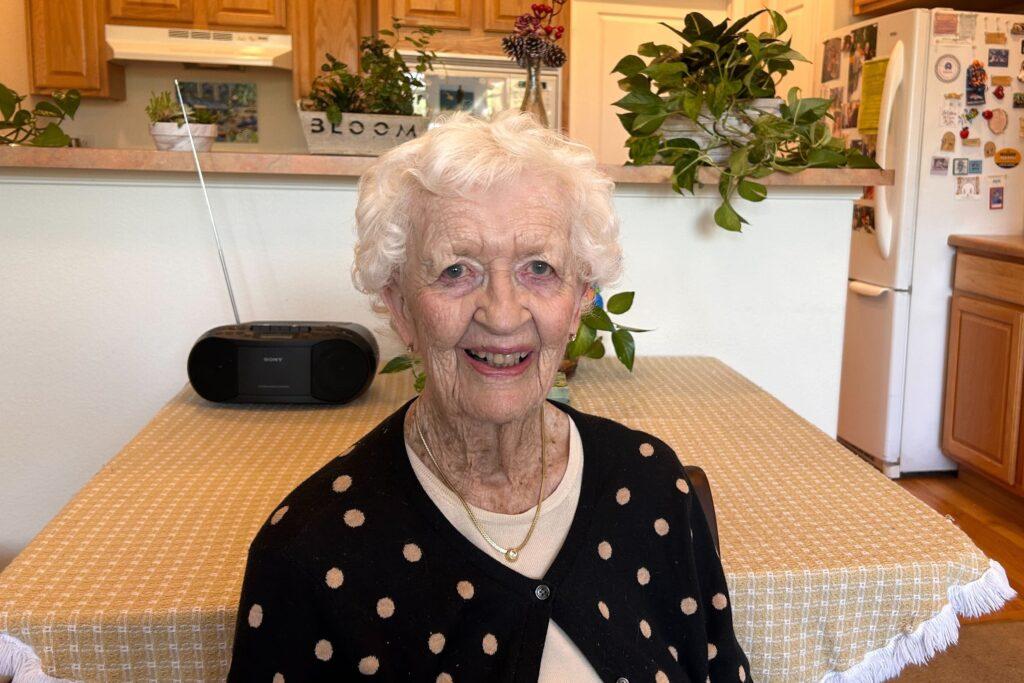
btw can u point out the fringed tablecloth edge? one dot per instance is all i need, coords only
(987, 593)
(20, 661)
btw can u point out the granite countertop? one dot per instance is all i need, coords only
(1009, 245)
(87, 158)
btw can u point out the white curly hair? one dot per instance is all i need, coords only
(462, 154)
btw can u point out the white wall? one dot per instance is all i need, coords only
(106, 280)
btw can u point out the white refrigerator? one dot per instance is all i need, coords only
(931, 93)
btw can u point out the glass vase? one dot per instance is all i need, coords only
(533, 100)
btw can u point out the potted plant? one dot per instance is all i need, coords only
(368, 112)
(711, 102)
(167, 124)
(39, 126)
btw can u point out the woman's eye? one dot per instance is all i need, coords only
(455, 271)
(540, 268)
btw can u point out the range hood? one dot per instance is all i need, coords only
(189, 45)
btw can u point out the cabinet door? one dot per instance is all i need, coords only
(260, 14)
(173, 11)
(66, 49)
(983, 385)
(439, 13)
(500, 15)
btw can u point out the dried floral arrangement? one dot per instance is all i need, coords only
(536, 37)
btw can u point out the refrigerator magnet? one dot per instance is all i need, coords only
(968, 187)
(995, 198)
(976, 79)
(997, 120)
(1007, 157)
(1020, 129)
(975, 167)
(947, 68)
(990, 149)
(1018, 100)
(940, 165)
(949, 140)
(971, 142)
(1004, 81)
(945, 24)
(995, 38)
(998, 56)
(961, 165)
(1017, 29)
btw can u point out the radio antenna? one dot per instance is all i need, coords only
(209, 209)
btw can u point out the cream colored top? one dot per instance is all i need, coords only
(561, 660)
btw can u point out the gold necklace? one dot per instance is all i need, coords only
(512, 552)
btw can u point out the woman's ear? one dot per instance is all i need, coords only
(399, 310)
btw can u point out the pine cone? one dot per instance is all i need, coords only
(534, 46)
(555, 56)
(513, 47)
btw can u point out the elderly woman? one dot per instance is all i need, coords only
(481, 532)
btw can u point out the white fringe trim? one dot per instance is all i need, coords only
(20, 661)
(985, 594)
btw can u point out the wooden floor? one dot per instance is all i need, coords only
(992, 518)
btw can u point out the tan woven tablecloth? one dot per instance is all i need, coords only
(138, 577)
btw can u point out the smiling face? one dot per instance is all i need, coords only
(488, 296)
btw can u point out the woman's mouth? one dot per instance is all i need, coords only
(498, 363)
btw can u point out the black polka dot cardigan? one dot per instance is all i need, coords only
(358, 575)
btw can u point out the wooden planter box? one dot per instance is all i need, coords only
(359, 134)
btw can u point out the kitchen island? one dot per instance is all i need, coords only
(111, 251)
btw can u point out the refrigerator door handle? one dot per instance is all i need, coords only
(864, 289)
(893, 81)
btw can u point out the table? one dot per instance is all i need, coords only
(827, 560)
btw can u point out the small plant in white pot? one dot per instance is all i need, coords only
(167, 124)
(368, 112)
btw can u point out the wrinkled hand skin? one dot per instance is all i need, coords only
(493, 269)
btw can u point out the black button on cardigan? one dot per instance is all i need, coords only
(357, 575)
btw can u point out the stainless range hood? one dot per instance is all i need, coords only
(188, 45)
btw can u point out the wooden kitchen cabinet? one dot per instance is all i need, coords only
(179, 12)
(66, 48)
(981, 426)
(467, 26)
(231, 15)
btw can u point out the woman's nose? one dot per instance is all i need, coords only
(501, 309)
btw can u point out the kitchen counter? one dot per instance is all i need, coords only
(322, 165)
(1007, 246)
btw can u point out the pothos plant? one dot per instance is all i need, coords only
(383, 83)
(711, 80)
(587, 343)
(40, 125)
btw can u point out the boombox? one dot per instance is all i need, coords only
(283, 362)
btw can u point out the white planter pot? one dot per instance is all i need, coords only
(169, 136)
(682, 127)
(359, 134)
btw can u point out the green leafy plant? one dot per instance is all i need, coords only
(39, 126)
(165, 108)
(384, 83)
(711, 80)
(588, 344)
(407, 361)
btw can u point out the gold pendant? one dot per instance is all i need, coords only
(511, 554)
